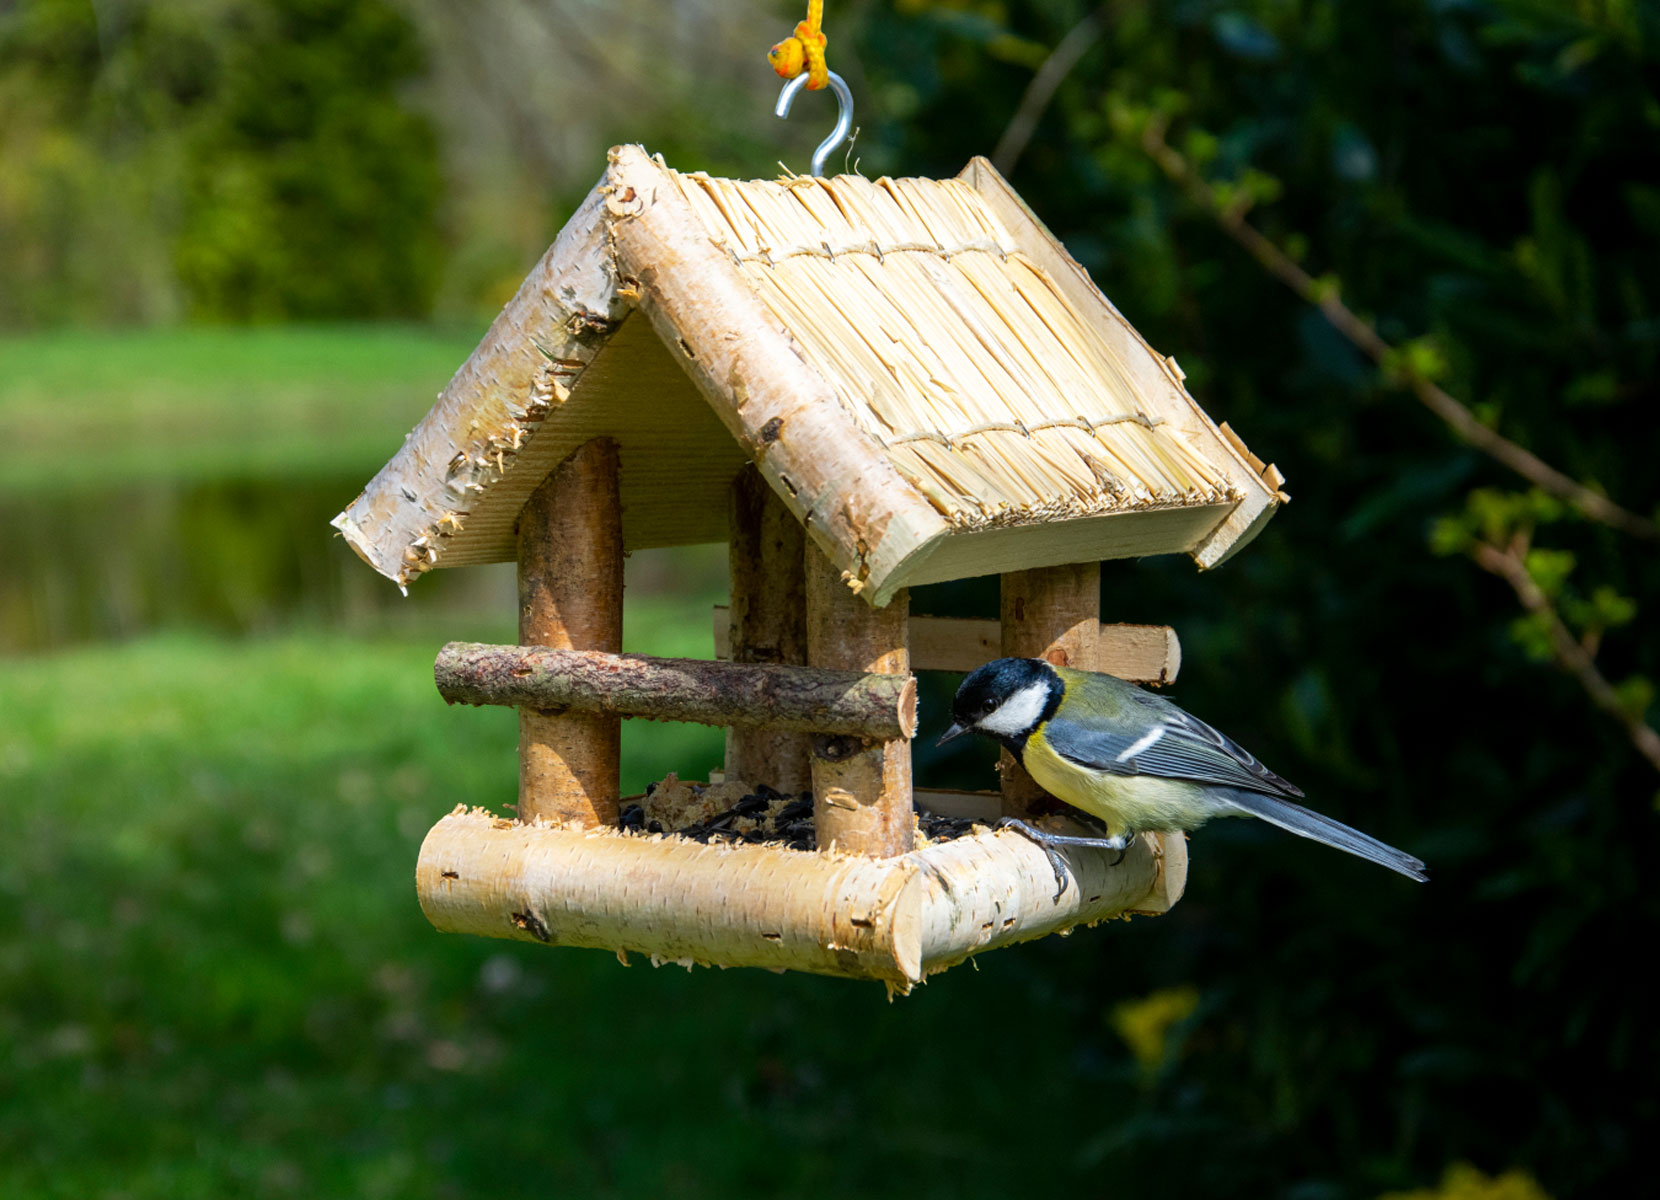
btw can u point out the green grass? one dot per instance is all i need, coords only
(214, 977)
(215, 980)
(81, 407)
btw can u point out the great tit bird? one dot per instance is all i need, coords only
(1134, 760)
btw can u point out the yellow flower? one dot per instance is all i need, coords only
(1144, 1024)
(1464, 1182)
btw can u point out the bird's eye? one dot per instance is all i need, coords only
(989, 705)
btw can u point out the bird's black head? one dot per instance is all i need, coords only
(1005, 699)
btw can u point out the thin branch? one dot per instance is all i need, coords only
(1572, 656)
(1358, 330)
(1066, 54)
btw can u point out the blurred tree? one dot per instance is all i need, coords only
(311, 190)
(233, 159)
(1473, 179)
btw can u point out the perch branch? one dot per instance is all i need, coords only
(1458, 417)
(1572, 656)
(804, 699)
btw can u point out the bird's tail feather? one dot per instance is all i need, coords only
(1305, 823)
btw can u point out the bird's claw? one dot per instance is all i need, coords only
(1048, 841)
(1128, 840)
(1057, 864)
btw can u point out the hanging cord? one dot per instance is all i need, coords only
(804, 50)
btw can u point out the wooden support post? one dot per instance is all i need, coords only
(768, 625)
(861, 789)
(1052, 613)
(571, 598)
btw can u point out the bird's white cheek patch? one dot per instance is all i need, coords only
(1019, 712)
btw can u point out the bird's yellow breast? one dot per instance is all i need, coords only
(1127, 803)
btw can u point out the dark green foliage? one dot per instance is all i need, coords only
(1474, 177)
(312, 190)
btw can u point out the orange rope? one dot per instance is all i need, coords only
(804, 50)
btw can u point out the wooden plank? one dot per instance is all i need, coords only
(1133, 533)
(677, 459)
(1139, 653)
(947, 802)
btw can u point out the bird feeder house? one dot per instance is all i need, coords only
(861, 386)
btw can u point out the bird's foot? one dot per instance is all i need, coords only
(1048, 842)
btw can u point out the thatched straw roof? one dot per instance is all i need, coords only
(952, 348)
(920, 370)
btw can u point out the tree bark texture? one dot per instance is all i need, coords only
(415, 509)
(1053, 613)
(861, 791)
(767, 624)
(571, 598)
(751, 695)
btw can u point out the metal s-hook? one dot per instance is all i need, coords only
(844, 119)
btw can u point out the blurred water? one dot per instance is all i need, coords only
(236, 557)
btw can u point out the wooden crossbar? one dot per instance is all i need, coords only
(805, 699)
(1139, 653)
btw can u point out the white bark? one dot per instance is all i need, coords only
(897, 920)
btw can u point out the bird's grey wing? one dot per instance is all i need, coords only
(1177, 745)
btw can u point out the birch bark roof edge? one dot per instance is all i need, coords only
(926, 378)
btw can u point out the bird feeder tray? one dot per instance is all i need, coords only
(672, 899)
(861, 386)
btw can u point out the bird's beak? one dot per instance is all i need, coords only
(956, 731)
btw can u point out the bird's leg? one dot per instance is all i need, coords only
(1057, 864)
(1048, 841)
(1120, 842)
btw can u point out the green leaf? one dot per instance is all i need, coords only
(1200, 146)
(1260, 186)
(1612, 609)
(1324, 287)
(1532, 633)
(1450, 535)
(1496, 515)
(1127, 120)
(1636, 694)
(1549, 569)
